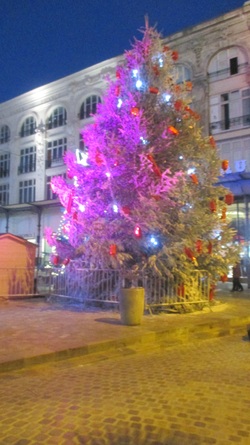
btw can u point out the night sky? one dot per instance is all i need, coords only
(45, 40)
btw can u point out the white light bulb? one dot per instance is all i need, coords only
(138, 84)
(167, 97)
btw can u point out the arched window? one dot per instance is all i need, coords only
(89, 106)
(57, 118)
(4, 134)
(28, 127)
(183, 74)
(227, 63)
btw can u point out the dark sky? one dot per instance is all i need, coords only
(44, 40)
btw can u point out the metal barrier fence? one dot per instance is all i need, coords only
(98, 285)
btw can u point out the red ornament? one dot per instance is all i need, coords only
(224, 164)
(135, 111)
(118, 74)
(189, 253)
(212, 206)
(173, 130)
(229, 199)
(153, 90)
(212, 141)
(199, 245)
(126, 210)
(113, 249)
(66, 261)
(223, 278)
(138, 232)
(175, 55)
(223, 214)
(75, 216)
(194, 179)
(117, 90)
(178, 105)
(55, 260)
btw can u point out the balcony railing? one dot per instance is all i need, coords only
(27, 168)
(54, 162)
(223, 74)
(234, 123)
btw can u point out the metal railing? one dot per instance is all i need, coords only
(103, 286)
(230, 124)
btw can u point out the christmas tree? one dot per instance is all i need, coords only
(143, 194)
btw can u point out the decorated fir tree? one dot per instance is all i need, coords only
(143, 194)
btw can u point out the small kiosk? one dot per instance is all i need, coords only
(17, 266)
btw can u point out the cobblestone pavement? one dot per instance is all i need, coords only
(192, 394)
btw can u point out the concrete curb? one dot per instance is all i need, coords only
(168, 337)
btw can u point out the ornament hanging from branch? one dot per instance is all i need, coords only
(224, 164)
(135, 111)
(173, 130)
(213, 206)
(113, 249)
(194, 179)
(138, 232)
(229, 199)
(153, 90)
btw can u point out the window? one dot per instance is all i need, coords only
(4, 134)
(89, 107)
(183, 74)
(58, 118)
(226, 63)
(246, 106)
(4, 194)
(27, 191)
(233, 66)
(4, 165)
(230, 110)
(55, 152)
(29, 127)
(27, 160)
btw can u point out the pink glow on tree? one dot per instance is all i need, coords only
(144, 139)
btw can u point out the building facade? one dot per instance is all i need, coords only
(37, 127)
